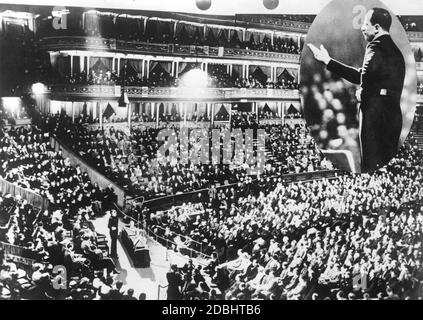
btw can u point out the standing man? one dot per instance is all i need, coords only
(382, 79)
(113, 229)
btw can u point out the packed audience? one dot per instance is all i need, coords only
(51, 239)
(29, 161)
(62, 234)
(353, 237)
(244, 120)
(131, 161)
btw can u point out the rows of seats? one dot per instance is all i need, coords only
(132, 161)
(313, 240)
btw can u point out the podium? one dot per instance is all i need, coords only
(136, 246)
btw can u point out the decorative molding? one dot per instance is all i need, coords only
(414, 36)
(90, 43)
(96, 92)
(277, 23)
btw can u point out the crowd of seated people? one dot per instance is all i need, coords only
(62, 234)
(353, 237)
(244, 120)
(50, 239)
(132, 161)
(163, 33)
(29, 161)
(294, 150)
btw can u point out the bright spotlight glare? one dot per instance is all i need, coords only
(11, 103)
(195, 78)
(38, 88)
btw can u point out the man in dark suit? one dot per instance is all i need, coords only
(113, 228)
(381, 78)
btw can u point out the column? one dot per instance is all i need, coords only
(88, 67)
(230, 69)
(177, 69)
(212, 114)
(118, 66)
(243, 35)
(153, 111)
(113, 64)
(143, 68)
(299, 77)
(81, 63)
(129, 116)
(299, 42)
(73, 113)
(279, 109)
(94, 106)
(247, 71)
(271, 38)
(71, 65)
(183, 108)
(206, 67)
(172, 70)
(148, 69)
(157, 115)
(101, 114)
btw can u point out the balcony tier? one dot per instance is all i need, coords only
(112, 45)
(97, 92)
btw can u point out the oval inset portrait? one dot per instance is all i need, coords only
(358, 84)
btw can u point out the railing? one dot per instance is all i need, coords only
(18, 254)
(165, 242)
(275, 23)
(415, 36)
(30, 196)
(104, 44)
(6, 226)
(172, 200)
(94, 175)
(145, 93)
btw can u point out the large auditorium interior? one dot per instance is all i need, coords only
(150, 154)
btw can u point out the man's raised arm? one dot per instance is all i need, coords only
(348, 73)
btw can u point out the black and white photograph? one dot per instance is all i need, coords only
(209, 150)
(360, 99)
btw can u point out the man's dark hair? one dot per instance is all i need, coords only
(381, 17)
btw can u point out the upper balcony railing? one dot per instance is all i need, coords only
(415, 36)
(103, 44)
(170, 93)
